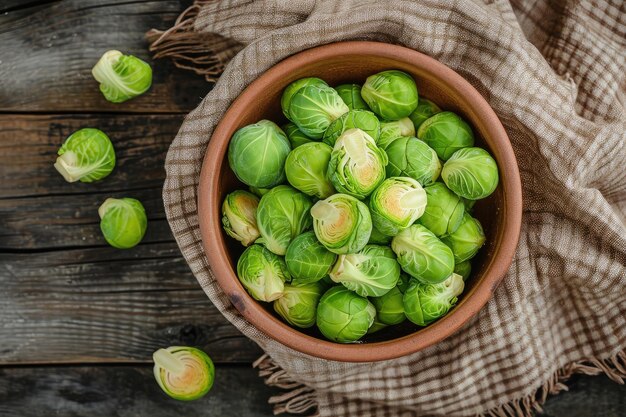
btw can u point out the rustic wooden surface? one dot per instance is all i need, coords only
(79, 319)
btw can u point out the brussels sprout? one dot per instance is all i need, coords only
(306, 169)
(390, 94)
(466, 240)
(307, 259)
(425, 110)
(262, 273)
(239, 216)
(396, 204)
(313, 108)
(471, 173)
(360, 119)
(389, 307)
(376, 326)
(351, 95)
(444, 210)
(257, 154)
(295, 136)
(357, 165)
(184, 373)
(425, 303)
(410, 157)
(403, 282)
(282, 215)
(342, 223)
(343, 316)
(122, 77)
(378, 238)
(422, 255)
(371, 272)
(392, 130)
(469, 204)
(464, 269)
(259, 192)
(298, 305)
(446, 133)
(87, 155)
(291, 89)
(123, 222)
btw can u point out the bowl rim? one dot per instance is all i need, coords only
(214, 246)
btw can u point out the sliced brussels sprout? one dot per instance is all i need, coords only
(466, 240)
(314, 108)
(396, 204)
(410, 157)
(307, 259)
(378, 238)
(425, 110)
(123, 222)
(351, 95)
(390, 94)
(259, 192)
(446, 133)
(262, 273)
(389, 307)
(464, 269)
(422, 255)
(291, 89)
(471, 173)
(87, 155)
(282, 215)
(184, 373)
(298, 304)
(425, 303)
(359, 119)
(371, 272)
(444, 210)
(295, 136)
(392, 130)
(257, 154)
(343, 316)
(122, 77)
(342, 223)
(306, 168)
(239, 216)
(357, 165)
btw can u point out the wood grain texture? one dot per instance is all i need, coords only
(47, 52)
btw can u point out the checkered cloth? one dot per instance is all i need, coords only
(554, 72)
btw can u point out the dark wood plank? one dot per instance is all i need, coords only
(47, 52)
(125, 391)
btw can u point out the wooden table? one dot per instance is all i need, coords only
(79, 319)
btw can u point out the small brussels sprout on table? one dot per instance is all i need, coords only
(123, 222)
(295, 136)
(343, 316)
(394, 129)
(425, 303)
(396, 204)
(239, 216)
(184, 373)
(446, 133)
(306, 168)
(466, 240)
(390, 94)
(425, 110)
(298, 304)
(444, 210)
(262, 273)
(87, 155)
(354, 119)
(122, 77)
(291, 89)
(471, 173)
(351, 95)
(314, 108)
(308, 260)
(411, 157)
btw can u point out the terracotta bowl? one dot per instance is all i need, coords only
(345, 62)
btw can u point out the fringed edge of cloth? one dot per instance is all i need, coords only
(205, 54)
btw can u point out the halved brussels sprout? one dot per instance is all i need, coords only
(259, 192)
(392, 130)
(298, 304)
(425, 303)
(371, 272)
(257, 154)
(389, 307)
(390, 94)
(471, 173)
(291, 89)
(313, 108)
(123, 222)
(422, 255)
(87, 155)
(295, 136)
(446, 133)
(357, 165)
(359, 119)
(343, 316)
(239, 216)
(282, 215)
(184, 373)
(262, 273)
(122, 77)
(306, 168)
(378, 238)
(444, 210)
(466, 240)
(425, 110)
(307, 259)
(342, 223)
(351, 95)
(396, 204)
(410, 157)
(464, 269)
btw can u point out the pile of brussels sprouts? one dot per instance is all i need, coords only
(359, 210)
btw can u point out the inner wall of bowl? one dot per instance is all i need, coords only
(355, 69)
